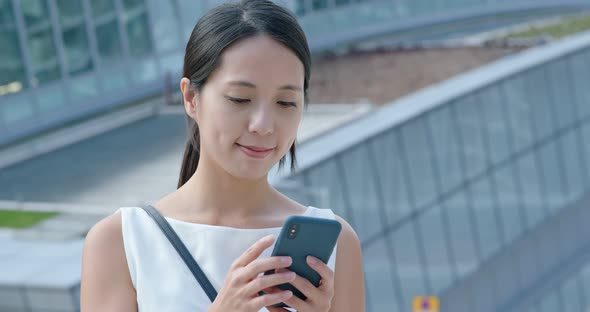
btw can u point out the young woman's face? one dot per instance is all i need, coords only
(250, 107)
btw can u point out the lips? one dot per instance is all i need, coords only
(255, 151)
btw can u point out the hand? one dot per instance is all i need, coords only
(319, 299)
(242, 284)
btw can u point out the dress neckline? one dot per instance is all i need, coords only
(222, 227)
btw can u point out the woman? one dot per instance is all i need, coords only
(245, 79)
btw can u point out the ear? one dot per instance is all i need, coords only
(189, 98)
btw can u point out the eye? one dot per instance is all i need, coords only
(287, 103)
(238, 100)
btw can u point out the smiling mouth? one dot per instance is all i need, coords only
(255, 152)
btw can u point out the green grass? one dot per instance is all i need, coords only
(565, 28)
(22, 219)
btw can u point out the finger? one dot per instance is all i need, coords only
(270, 299)
(276, 309)
(298, 304)
(254, 251)
(325, 272)
(262, 265)
(307, 288)
(266, 281)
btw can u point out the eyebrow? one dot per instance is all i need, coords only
(251, 85)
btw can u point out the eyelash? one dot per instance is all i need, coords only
(241, 101)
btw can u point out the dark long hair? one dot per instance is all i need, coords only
(215, 31)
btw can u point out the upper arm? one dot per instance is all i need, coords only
(349, 283)
(105, 280)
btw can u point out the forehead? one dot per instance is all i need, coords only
(260, 60)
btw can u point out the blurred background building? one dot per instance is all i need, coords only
(454, 135)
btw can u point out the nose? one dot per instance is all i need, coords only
(262, 121)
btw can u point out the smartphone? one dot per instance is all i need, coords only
(301, 237)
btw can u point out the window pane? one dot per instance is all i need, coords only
(391, 176)
(362, 192)
(541, 112)
(319, 4)
(532, 190)
(409, 265)
(47, 75)
(416, 148)
(138, 34)
(102, 7)
(550, 303)
(300, 7)
(77, 52)
(552, 174)
(43, 57)
(461, 234)
(518, 112)
(446, 148)
(108, 41)
(42, 49)
(35, 12)
(144, 70)
(83, 88)
(130, 4)
(11, 67)
(585, 280)
(485, 217)
(51, 98)
(165, 26)
(16, 108)
(438, 264)
(585, 133)
(570, 151)
(470, 130)
(497, 126)
(328, 177)
(69, 11)
(383, 289)
(6, 13)
(509, 202)
(580, 68)
(114, 77)
(561, 96)
(572, 300)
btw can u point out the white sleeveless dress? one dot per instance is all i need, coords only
(162, 280)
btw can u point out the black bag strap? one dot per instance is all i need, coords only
(182, 251)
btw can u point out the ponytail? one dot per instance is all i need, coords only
(190, 160)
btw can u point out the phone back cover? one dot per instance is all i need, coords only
(316, 237)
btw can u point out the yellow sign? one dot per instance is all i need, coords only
(426, 304)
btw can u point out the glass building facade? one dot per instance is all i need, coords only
(63, 60)
(437, 195)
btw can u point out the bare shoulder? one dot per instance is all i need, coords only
(349, 287)
(105, 280)
(348, 236)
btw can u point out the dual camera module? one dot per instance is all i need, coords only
(292, 231)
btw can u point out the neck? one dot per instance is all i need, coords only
(217, 194)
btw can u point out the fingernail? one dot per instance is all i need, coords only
(286, 294)
(289, 275)
(286, 260)
(311, 260)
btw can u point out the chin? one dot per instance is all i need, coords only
(251, 175)
(248, 171)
